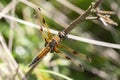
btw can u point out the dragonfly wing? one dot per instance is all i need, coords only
(76, 63)
(81, 56)
(43, 22)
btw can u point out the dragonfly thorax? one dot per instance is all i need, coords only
(53, 42)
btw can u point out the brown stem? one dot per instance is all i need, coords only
(82, 17)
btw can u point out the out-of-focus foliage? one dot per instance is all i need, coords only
(28, 41)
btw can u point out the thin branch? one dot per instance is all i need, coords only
(80, 11)
(8, 53)
(83, 16)
(94, 42)
(98, 3)
(7, 8)
(12, 25)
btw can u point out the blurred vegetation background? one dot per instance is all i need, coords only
(19, 43)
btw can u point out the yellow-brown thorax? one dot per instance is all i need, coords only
(50, 46)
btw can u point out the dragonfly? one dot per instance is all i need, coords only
(53, 44)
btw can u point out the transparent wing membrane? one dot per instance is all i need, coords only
(77, 64)
(79, 55)
(43, 22)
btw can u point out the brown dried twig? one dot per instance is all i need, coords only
(103, 16)
(81, 18)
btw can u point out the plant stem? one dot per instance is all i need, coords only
(82, 17)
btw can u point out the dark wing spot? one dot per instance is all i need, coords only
(39, 9)
(67, 57)
(74, 52)
(41, 29)
(43, 20)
